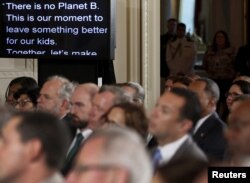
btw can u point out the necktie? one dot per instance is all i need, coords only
(156, 158)
(75, 148)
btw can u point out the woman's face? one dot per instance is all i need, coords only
(220, 40)
(10, 95)
(233, 92)
(24, 103)
(116, 115)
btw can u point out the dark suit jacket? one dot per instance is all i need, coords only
(152, 144)
(210, 137)
(67, 120)
(189, 149)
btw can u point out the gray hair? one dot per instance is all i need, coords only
(124, 148)
(211, 88)
(140, 93)
(116, 91)
(66, 88)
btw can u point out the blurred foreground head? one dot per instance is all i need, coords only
(112, 155)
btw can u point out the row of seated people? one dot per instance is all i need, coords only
(182, 125)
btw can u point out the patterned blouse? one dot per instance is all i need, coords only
(219, 65)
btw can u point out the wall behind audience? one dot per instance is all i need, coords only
(137, 42)
(136, 54)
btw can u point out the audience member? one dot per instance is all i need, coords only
(81, 102)
(169, 83)
(208, 132)
(218, 63)
(135, 92)
(238, 134)
(112, 155)
(15, 85)
(238, 100)
(171, 120)
(32, 148)
(193, 76)
(165, 39)
(183, 170)
(238, 88)
(181, 53)
(54, 98)
(128, 115)
(26, 99)
(106, 97)
(181, 82)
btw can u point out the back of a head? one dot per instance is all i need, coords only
(124, 148)
(182, 170)
(52, 134)
(183, 80)
(119, 96)
(135, 117)
(140, 93)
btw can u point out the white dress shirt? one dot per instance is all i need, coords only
(85, 133)
(168, 150)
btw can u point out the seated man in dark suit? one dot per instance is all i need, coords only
(81, 103)
(208, 132)
(173, 116)
(54, 98)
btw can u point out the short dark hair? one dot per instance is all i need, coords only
(243, 85)
(52, 133)
(24, 82)
(172, 20)
(192, 107)
(182, 169)
(32, 93)
(181, 25)
(183, 80)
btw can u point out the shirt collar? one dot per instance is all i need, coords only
(168, 150)
(200, 122)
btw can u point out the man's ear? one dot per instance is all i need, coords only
(186, 125)
(212, 102)
(34, 149)
(65, 104)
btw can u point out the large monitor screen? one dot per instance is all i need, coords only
(56, 28)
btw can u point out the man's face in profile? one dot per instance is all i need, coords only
(14, 154)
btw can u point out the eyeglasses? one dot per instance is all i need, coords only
(22, 103)
(233, 94)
